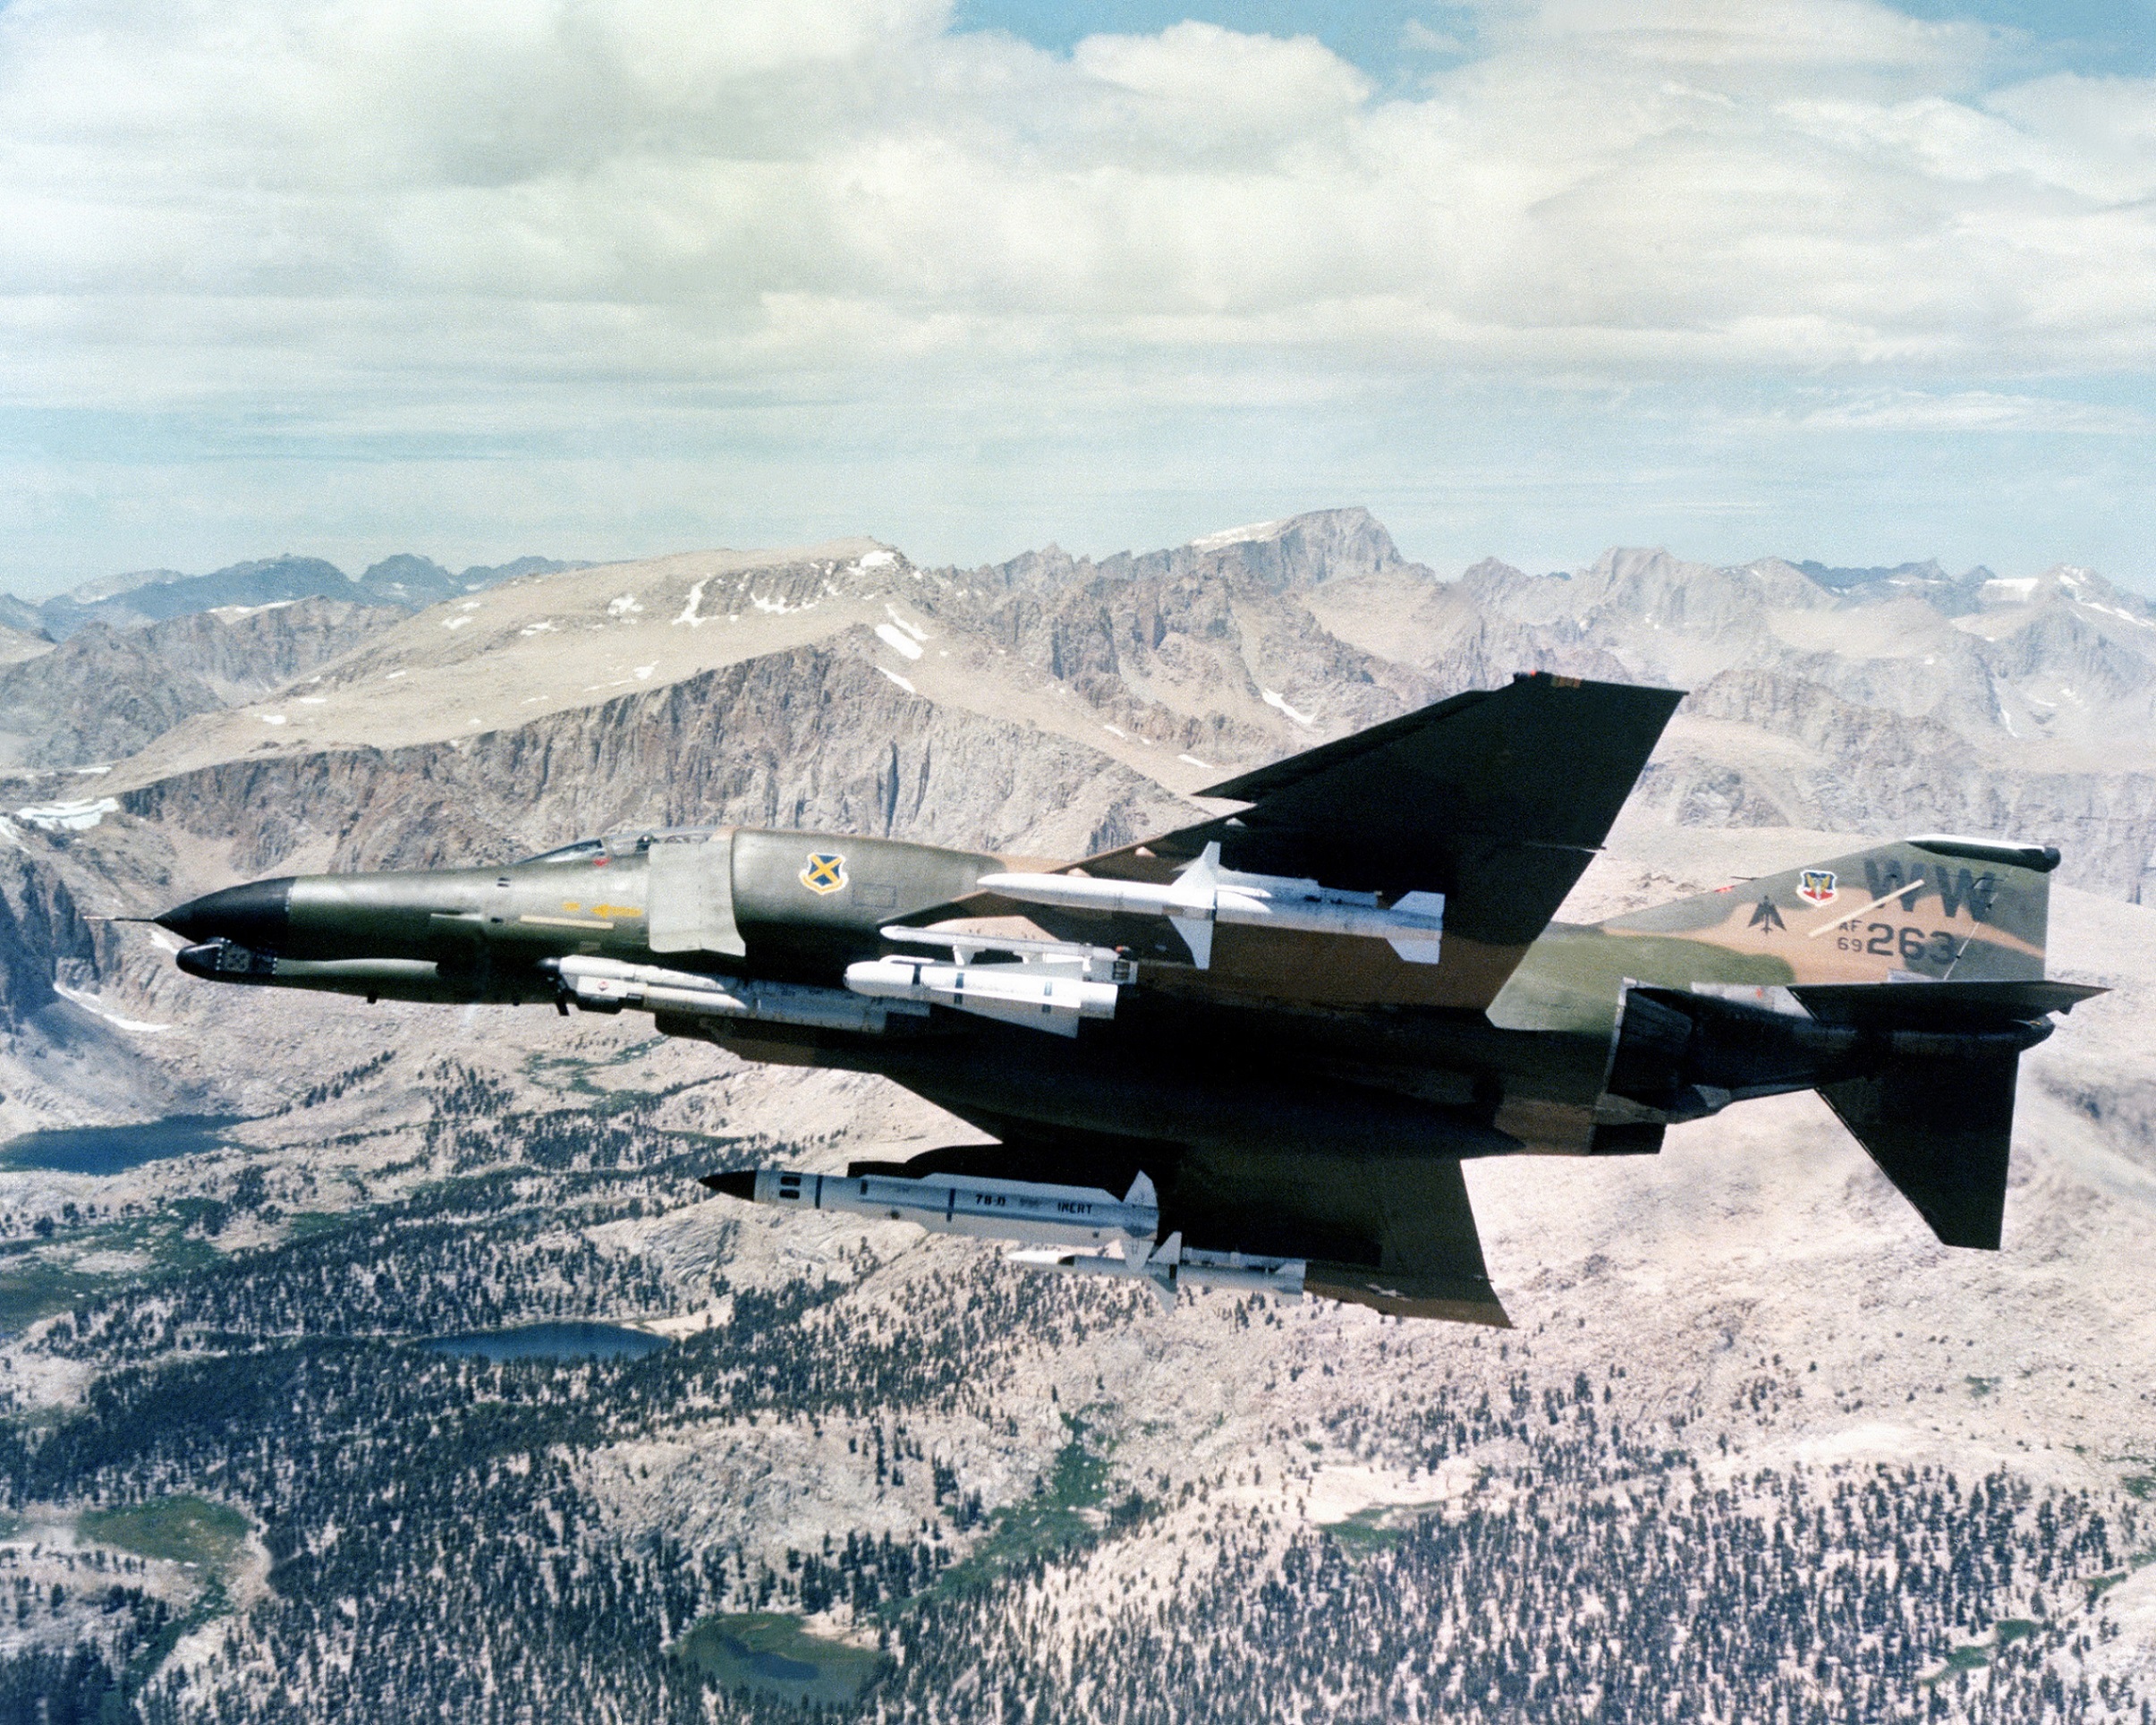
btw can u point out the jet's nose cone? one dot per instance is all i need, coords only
(253, 916)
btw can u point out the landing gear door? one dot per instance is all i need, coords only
(693, 896)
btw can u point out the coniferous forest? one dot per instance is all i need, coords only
(443, 1536)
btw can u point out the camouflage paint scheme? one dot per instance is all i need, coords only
(1975, 914)
(1303, 1094)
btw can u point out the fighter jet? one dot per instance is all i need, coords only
(1254, 1052)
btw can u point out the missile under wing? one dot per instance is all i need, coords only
(1256, 1051)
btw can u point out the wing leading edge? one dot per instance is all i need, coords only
(1496, 799)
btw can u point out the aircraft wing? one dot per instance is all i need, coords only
(1496, 799)
(1396, 1233)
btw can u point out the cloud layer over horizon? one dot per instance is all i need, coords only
(592, 279)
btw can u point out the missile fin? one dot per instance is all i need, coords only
(1203, 873)
(1161, 1268)
(1198, 935)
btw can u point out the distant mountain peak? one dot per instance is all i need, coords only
(1303, 551)
(112, 586)
(1841, 580)
(1876, 583)
(2065, 584)
(406, 581)
(480, 575)
(1251, 535)
(404, 563)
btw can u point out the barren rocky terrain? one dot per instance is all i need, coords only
(1757, 1447)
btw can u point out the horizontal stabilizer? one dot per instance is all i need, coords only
(1941, 1130)
(1939, 1006)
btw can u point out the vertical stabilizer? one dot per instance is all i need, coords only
(1932, 909)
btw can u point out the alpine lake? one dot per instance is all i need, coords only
(771, 1653)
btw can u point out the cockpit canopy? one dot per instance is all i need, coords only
(630, 842)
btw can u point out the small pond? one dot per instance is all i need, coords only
(113, 1150)
(552, 1342)
(771, 1652)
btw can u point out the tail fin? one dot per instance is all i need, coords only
(1934, 1102)
(1931, 909)
(1940, 1131)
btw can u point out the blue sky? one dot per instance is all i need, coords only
(475, 277)
(1398, 41)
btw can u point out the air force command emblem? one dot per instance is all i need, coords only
(1816, 886)
(825, 872)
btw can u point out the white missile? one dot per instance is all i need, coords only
(949, 1203)
(607, 985)
(1204, 894)
(1055, 1221)
(1093, 964)
(1172, 1265)
(1038, 996)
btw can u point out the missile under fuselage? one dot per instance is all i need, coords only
(984, 1208)
(1049, 1223)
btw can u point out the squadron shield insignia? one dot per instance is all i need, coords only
(825, 872)
(1254, 1052)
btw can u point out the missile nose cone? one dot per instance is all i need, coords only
(253, 916)
(740, 1182)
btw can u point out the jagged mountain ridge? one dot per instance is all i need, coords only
(418, 742)
(1738, 1305)
(103, 693)
(95, 674)
(137, 601)
(811, 738)
(1256, 638)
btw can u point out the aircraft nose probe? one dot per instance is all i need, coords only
(254, 915)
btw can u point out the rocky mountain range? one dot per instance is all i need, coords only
(92, 676)
(135, 601)
(1059, 1495)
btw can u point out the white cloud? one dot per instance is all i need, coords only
(849, 176)
(406, 221)
(1226, 80)
(1975, 410)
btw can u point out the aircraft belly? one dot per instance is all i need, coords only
(1242, 1110)
(1457, 1088)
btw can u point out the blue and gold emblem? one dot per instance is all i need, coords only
(825, 872)
(1816, 886)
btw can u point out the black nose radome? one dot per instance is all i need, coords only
(252, 915)
(740, 1183)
